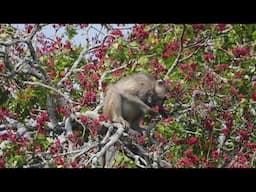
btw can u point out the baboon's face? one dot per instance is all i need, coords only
(158, 96)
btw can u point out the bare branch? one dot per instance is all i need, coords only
(137, 159)
(74, 66)
(83, 52)
(51, 109)
(50, 88)
(113, 139)
(83, 150)
(190, 55)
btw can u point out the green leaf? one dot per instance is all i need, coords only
(143, 60)
(71, 32)
(254, 35)
(134, 44)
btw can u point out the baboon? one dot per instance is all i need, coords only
(131, 97)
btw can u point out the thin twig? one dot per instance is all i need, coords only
(177, 60)
(193, 53)
(50, 88)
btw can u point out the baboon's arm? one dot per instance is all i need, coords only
(145, 108)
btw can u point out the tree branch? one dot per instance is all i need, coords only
(177, 60)
(50, 88)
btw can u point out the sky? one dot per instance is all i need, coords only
(80, 38)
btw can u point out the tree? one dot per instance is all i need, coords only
(52, 91)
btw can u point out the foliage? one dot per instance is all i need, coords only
(47, 85)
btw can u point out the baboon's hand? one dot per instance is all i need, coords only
(153, 112)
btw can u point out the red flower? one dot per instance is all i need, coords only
(103, 118)
(239, 74)
(250, 145)
(225, 131)
(1, 66)
(29, 28)
(19, 151)
(166, 55)
(233, 90)
(73, 164)
(67, 45)
(254, 84)
(209, 123)
(53, 150)
(52, 73)
(186, 162)
(170, 49)
(169, 120)
(193, 66)
(241, 96)
(2, 163)
(243, 133)
(221, 27)
(141, 140)
(250, 126)
(156, 108)
(254, 96)
(59, 161)
(222, 66)
(229, 123)
(215, 154)
(38, 149)
(84, 119)
(209, 57)
(183, 67)
(117, 32)
(241, 51)
(189, 152)
(50, 64)
(12, 137)
(169, 155)
(192, 140)
(197, 27)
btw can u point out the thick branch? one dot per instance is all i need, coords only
(113, 139)
(51, 109)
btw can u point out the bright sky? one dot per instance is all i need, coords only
(80, 38)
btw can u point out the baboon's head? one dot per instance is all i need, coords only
(160, 89)
(158, 95)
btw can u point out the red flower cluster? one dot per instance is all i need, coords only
(42, 119)
(1, 66)
(170, 49)
(222, 67)
(139, 32)
(157, 66)
(198, 27)
(160, 137)
(209, 123)
(209, 57)
(221, 27)
(241, 51)
(192, 141)
(254, 96)
(117, 32)
(4, 112)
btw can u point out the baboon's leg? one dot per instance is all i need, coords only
(117, 110)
